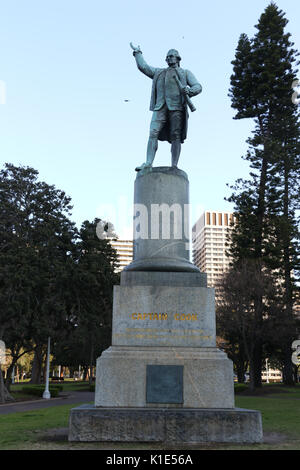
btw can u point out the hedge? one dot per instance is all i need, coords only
(39, 390)
(238, 388)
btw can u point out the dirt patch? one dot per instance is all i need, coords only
(54, 435)
(274, 438)
(57, 438)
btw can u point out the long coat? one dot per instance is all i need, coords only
(186, 77)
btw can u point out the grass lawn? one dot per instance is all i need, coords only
(280, 417)
(21, 430)
(47, 428)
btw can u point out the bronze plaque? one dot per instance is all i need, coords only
(164, 384)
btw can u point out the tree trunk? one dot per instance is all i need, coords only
(85, 373)
(91, 363)
(8, 379)
(240, 370)
(9, 372)
(295, 371)
(252, 374)
(288, 376)
(5, 396)
(37, 366)
(257, 351)
(256, 368)
(288, 372)
(260, 211)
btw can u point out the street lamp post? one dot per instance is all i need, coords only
(46, 393)
(267, 371)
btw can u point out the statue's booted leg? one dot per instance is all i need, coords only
(176, 122)
(151, 151)
(175, 152)
(157, 123)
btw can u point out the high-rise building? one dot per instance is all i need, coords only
(209, 237)
(124, 250)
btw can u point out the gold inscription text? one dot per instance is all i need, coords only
(164, 316)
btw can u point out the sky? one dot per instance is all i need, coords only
(74, 106)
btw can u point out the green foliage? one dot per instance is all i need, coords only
(239, 388)
(58, 387)
(36, 239)
(54, 280)
(263, 71)
(93, 278)
(261, 89)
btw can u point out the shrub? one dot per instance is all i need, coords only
(38, 390)
(59, 387)
(238, 388)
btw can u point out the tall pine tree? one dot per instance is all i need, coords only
(265, 205)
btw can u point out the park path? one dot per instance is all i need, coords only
(66, 398)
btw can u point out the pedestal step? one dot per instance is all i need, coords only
(88, 423)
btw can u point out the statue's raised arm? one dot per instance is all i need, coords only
(141, 63)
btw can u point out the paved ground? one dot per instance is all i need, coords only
(65, 399)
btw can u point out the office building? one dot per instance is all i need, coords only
(209, 238)
(124, 250)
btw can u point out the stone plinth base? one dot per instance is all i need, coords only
(164, 316)
(88, 423)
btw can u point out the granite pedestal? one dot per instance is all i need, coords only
(163, 379)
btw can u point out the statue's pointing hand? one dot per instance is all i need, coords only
(136, 50)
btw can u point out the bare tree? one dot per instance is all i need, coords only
(243, 328)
